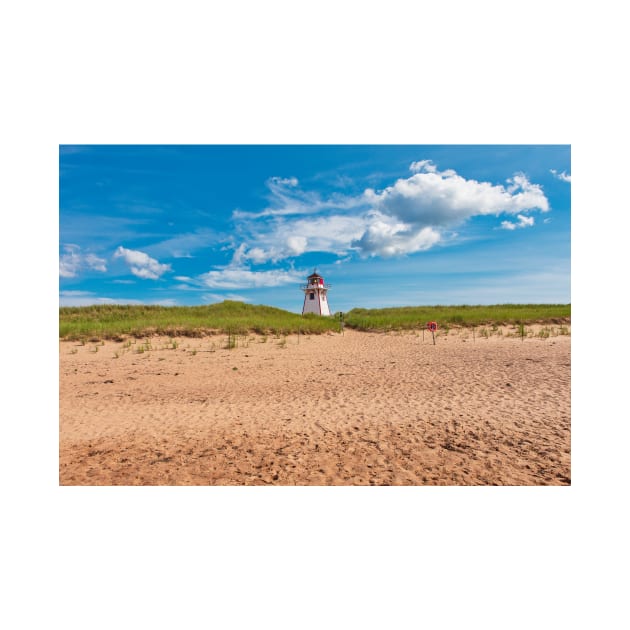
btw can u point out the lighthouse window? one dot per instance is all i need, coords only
(311, 296)
(323, 298)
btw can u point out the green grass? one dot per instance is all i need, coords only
(413, 317)
(235, 318)
(117, 322)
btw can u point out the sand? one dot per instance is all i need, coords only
(351, 409)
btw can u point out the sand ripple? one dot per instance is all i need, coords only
(357, 409)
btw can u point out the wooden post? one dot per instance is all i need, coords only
(433, 335)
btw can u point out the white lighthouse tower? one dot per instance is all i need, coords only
(315, 300)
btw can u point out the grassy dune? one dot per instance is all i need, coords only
(120, 321)
(410, 317)
(117, 321)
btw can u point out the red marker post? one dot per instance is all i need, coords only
(432, 326)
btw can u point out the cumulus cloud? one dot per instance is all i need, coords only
(73, 262)
(561, 176)
(297, 244)
(141, 264)
(291, 238)
(411, 215)
(388, 237)
(523, 222)
(435, 199)
(423, 165)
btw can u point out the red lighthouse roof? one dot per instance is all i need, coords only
(315, 278)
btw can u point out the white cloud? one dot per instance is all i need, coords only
(287, 199)
(423, 165)
(241, 278)
(282, 181)
(73, 262)
(258, 255)
(239, 256)
(297, 244)
(409, 216)
(387, 237)
(217, 297)
(141, 264)
(88, 298)
(200, 284)
(290, 238)
(441, 199)
(81, 301)
(333, 233)
(561, 176)
(523, 222)
(165, 302)
(284, 200)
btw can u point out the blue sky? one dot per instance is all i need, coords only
(386, 225)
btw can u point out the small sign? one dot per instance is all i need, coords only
(432, 326)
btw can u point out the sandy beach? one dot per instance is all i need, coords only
(352, 409)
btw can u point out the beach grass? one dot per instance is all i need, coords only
(228, 317)
(414, 317)
(118, 322)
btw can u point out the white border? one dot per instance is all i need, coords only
(281, 72)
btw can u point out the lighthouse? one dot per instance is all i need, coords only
(315, 300)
